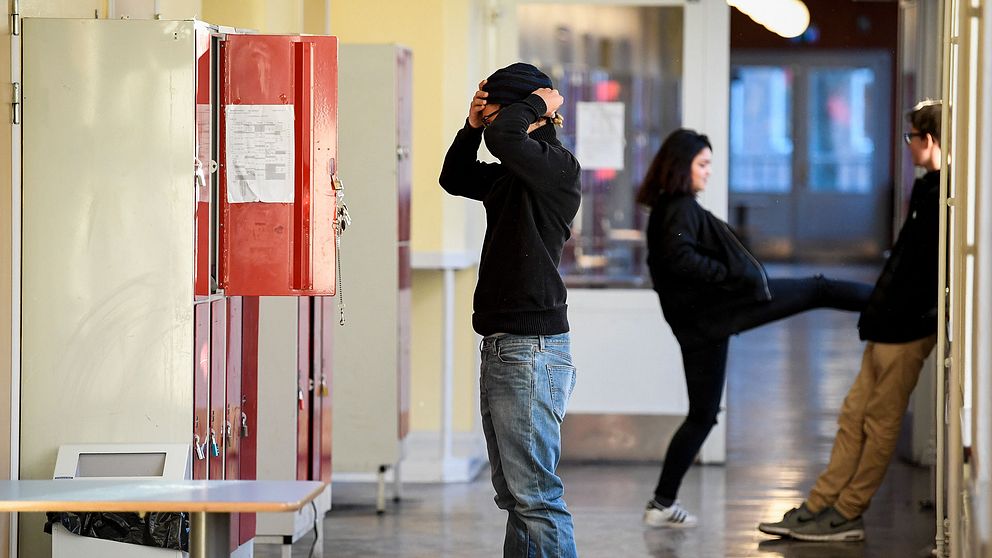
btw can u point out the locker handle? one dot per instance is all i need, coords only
(303, 55)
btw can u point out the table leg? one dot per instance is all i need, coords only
(209, 535)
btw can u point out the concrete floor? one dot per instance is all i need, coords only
(786, 382)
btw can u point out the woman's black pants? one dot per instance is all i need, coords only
(705, 361)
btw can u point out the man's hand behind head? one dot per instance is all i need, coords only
(552, 99)
(478, 105)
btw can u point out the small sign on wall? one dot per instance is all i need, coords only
(600, 140)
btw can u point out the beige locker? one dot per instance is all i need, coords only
(372, 352)
(107, 238)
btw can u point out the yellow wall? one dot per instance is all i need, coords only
(181, 9)
(425, 389)
(466, 414)
(315, 17)
(439, 33)
(265, 16)
(417, 25)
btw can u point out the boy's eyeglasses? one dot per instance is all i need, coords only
(908, 136)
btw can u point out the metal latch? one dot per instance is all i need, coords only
(15, 104)
(15, 17)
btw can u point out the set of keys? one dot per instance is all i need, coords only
(202, 448)
(324, 392)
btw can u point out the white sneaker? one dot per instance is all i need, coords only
(675, 515)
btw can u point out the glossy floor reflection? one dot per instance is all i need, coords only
(785, 384)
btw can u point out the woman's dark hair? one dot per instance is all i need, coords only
(671, 170)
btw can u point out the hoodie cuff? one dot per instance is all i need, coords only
(538, 105)
(468, 128)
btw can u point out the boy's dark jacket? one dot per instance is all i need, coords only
(903, 306)
(530, 197)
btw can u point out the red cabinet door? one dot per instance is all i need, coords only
(203, 177)
(304, 386)
(218, 395)
(404, 329)
(324, 322)
(278, 153)
(233, 405)
(248, 463)
(201, 389)
(404, 181)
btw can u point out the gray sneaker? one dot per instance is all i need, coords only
(830, 525)
(794, 518)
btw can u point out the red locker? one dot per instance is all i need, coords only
(233, 405)
(248, 464)
(202, 166)
(325, 320)
(218, 395)
(201, 390)
(305, 386)
(404, 186)
(278, 156)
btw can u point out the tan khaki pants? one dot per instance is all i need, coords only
(869, 425)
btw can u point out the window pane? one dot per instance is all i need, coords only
(609, 54)
(841, 152)
(761, 130)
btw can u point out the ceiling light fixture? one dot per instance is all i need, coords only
(788, 18)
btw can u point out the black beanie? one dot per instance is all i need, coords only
(514, 83)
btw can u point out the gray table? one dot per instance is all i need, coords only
(210, 503)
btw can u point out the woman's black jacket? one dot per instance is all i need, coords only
(699, 267)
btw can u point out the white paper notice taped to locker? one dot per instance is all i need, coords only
(599, 138)
(260, 153)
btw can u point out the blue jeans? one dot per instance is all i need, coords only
(525, 386)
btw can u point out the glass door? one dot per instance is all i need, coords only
(810, 154)
(620, 69)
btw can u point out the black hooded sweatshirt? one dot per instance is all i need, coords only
(903, 306)
(531, 197)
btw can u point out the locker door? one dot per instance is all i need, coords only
(324, 321)
(203, 177)
(201, 390)
(305, 385)
(218, 388)
(324, 359)
(106, 226)
(233, 404)
(278, 156)
(248, 463)
(404, 180)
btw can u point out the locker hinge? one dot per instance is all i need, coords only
(15, 17)
(15, 104)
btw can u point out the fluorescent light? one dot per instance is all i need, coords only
(788, 18)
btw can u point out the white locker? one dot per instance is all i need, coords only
(372, 352)
(107, 191)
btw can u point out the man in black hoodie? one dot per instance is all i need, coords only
(530, 197)
(900, 325)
